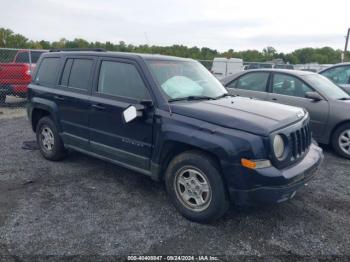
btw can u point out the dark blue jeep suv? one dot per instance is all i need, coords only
(170, 119)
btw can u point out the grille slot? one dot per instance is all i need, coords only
(300, 141)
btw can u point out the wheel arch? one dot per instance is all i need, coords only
(39, 108)
(37, 114)
(334, 129)
(172, 148)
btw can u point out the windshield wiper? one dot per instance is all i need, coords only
(344, 98)
(224, 95)
(189, 98)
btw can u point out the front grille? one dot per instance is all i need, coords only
(300, 141)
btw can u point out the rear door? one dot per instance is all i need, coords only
(119, 84)
(253, 84)
(73, 99)
(290, 90)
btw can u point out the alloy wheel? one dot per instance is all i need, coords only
(193, 189)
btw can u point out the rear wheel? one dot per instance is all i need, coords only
(196, 188)
(341, 140)
(49, 141)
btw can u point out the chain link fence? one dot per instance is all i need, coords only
(16, 67)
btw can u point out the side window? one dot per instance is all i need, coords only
(48, 71)
(339, 75)
(80, 73)
(22, 57)
(289, 85)
(252, 82)
(121, 79)
(76, 73)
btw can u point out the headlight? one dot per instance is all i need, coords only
(278, 147)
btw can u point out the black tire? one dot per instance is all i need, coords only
(57, 151)
(336, 140)
(201, 162)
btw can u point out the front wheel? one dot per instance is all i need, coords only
(196, 188)
(341, 140)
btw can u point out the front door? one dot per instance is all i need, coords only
(290, 90)
(118, 85)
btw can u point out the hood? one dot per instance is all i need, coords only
(250, 115)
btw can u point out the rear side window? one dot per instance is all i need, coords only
(121, 79)
(48, 71)
(76, 73)
(66, 72)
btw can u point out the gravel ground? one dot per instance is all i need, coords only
(84, 206)
(14, 107)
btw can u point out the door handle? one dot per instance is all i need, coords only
(98, 107)
(274, 99)
(59, 97)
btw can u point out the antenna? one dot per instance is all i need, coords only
(346, 46)
(146, 37)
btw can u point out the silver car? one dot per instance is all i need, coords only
(327, 103)
(339, 74)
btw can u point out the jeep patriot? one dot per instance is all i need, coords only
(170, 119)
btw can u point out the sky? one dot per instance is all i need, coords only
(217, 24)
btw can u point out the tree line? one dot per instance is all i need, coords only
(324, 55)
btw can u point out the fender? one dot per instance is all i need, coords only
(226, 144)
(47, 105)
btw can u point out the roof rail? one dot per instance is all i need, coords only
(78, 49)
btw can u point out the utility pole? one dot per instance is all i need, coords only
(346, 46)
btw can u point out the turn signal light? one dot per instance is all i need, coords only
(255, 164)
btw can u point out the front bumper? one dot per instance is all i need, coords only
(292, 179)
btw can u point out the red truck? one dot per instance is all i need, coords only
(16, 75)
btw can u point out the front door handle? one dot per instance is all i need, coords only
(59, 97)
(98, 107)
(274, 99)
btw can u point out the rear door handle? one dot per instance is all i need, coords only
(98, 107)
(59, 97)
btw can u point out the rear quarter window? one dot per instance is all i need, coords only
(48, 70)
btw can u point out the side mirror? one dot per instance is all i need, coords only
(313, 96)
(129, 114)
(146, 103)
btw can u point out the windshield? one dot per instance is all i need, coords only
(182, 79)
(326, 86)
